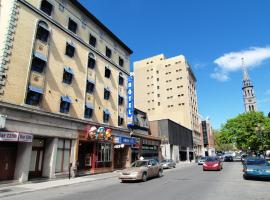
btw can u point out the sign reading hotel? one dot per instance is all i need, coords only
(130, 97)
(9, 136)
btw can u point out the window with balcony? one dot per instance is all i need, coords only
(121, 61)
(107, 72)
(46, 7)
(106, 116)
(107, 93)
(92, 40)
(72, 25)
(108, 52)
(42, 32)
(90, 85)
(65, 104)
(33, 96)
(39, 62)
(70, 49)
(120, 100)
(88, 112)
(91, 61)
(67, 75)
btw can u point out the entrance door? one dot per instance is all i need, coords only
(37, 158)
(7, 160)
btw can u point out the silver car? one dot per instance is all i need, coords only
(168, 163)
(201, 160)
(141, 170)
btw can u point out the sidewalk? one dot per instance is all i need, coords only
(30, 186)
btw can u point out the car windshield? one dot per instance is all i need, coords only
(139, 163)
(257, 162)
(164, 161)
(212, 159)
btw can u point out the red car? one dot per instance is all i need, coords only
(212, 163)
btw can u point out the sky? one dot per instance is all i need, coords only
(212, 34)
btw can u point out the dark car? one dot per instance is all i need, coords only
(256, 167)
(228, 158)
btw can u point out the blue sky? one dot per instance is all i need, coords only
(212, 34)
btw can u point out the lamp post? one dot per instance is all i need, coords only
(260, 131)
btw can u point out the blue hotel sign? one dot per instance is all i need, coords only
(130, 97)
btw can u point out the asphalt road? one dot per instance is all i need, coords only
(177, 184)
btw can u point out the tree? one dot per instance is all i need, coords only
(247, 131)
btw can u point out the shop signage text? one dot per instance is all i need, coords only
(130, 96)
(124, 140)
(15, 137)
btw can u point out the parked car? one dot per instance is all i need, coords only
(228, 158)
(142, 170)
(243, 158)
(201, 160)
(168, 163)
(212, 163)
(256, 167)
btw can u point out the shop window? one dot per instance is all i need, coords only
(46, 7)
(72, 25)
(120, 100)
(106, 116)
(68, 75)
(92, 40)
(42, 32)
(33, 96)
(90, 85)
(63, 155)
(121, 80)
(65, 104)
(91, 61)
(39, 62)
(107, 72)
(70, 49)
(108, 52)
(107, 93)
(121, 61)
(120, 120)
(104, 152)
(88, 112)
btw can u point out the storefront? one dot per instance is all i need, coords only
(135, 149)
(150, 148)
(95, 151)
(122, 151)
(10, 142)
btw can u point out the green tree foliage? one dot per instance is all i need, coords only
(248, 130)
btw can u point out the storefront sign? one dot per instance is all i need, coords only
(9, 136)
(118, 146)
(100, 133)
(25, 137)
(124, 140)
(130, 106)
(137, 143)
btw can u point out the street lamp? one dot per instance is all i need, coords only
(260, 131)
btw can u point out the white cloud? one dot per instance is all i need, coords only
(232, 61)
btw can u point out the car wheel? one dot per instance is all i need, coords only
(123, 181)
(144, 177)
(245, 177)
(160, 173)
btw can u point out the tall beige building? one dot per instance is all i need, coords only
(165, 88)
(62, 72)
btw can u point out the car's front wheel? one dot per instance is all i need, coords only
(160, 173)
(144, 177)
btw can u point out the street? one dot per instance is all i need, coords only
(186, 184)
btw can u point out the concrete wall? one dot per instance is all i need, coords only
(50, 158)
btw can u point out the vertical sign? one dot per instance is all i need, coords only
(130, 97)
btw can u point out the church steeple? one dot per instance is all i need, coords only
(248, 91)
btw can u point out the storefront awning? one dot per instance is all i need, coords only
(40, 56)
(71, 44)
(89, 80)
(66, 99)
(88, 105)
(106, 111)
(68, 70)
(35, 89)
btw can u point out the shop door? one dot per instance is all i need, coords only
(37, 158)
(7, 161)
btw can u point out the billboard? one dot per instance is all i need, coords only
(130, 97)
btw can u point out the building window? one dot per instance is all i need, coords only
(157, 87)
(121, 61)
(72, 25)
(107, 72)
(121, 80)
(104, 154)
(106, 115)
(158, 103)
(120, 100)
(90, 85)
(46, 7)
(108, 52)
(92, 40)
(68, 75)
(70, 49)
(33, 96)
(157, 72)
(91, 61)
(63, 155)
(158, 95)
(39, 62)
(88, 112)
(157, 79)
(65, 104)
(42, 32)
(120, 120)
(107, 93)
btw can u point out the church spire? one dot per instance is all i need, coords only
(248, 91)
